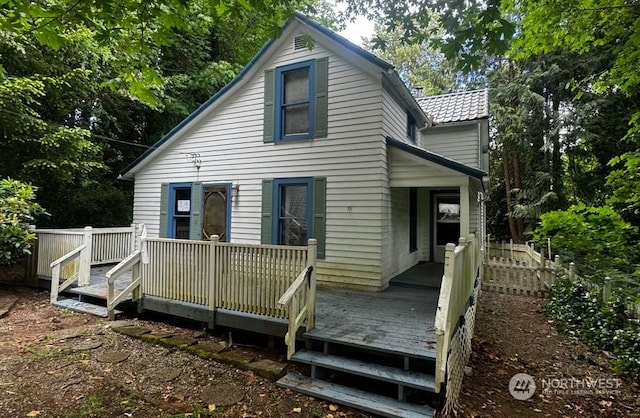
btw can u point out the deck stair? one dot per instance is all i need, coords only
(353, 373)
(84, 307)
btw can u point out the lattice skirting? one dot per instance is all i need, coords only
(460, 351)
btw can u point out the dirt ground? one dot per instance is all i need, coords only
(513, 336)
(52, 365)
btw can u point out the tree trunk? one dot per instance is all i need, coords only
(507, 186)
(517, 183)
(556, 159)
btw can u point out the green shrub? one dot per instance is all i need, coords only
(581, 313)
(17, 210)
(597, 239)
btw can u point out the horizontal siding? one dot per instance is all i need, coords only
(460, 143)
(406, 171)
(352, 157)
(394, 119)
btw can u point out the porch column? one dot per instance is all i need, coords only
(465, 211)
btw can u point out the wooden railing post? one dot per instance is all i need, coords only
(213, 273)
(312, 250)
(133, 243)
(55, 283)
(84, 269)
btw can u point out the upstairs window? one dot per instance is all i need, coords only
(294, 108)
(296, 101)
(411, 128)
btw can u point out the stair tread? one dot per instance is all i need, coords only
(95, 291)
(320, 335)
(355, 398)
(362, 368)
(84, 307)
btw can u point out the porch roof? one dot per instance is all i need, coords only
(436, 158)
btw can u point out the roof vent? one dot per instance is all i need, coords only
(299, 42)
(418, 92)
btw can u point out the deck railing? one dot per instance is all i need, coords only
(251, 278)
(112, 245)
(71, 259)
(177, 269)
(300, 301)
(132, 262)
(455, 313)
(103, 246)
(68, 254)
(248, 278)
(55, 243)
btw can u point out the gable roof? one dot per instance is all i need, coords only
(436, 158)
(246, 73)
(457, 107)
(377, 61)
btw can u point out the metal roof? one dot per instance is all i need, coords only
(456, 107)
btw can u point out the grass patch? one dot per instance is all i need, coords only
(91, 406)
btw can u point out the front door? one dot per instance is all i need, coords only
(446, 223)
(215, 212)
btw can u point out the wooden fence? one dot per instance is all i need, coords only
(455, 315)
(56, 243)
(519, 269)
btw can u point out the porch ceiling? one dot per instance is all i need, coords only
(409, 170)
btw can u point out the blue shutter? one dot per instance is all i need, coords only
(269, 105)
(266, 236)
(322, 97)
(319, 213)
(164, 210)
(195, 224)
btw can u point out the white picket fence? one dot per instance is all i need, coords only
(518, 269)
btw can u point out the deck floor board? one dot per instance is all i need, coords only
(399, 319)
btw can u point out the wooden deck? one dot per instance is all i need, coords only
(97, 287)
(399, 320)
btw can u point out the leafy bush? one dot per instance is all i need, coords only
(17, 210)
(596, 238)
(581, 313)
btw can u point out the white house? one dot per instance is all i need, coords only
(323, 143)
